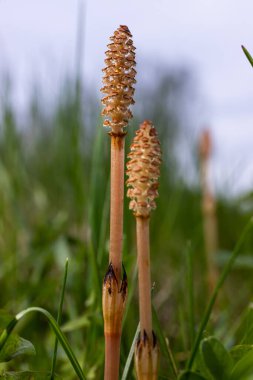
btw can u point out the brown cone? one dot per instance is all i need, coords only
(118, 80)
(143, 170)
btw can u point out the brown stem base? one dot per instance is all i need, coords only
(114, 299)
(146, 357)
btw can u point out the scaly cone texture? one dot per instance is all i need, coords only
(119, 78)
(144, 170)
(208, 208)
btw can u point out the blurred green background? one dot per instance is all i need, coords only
(54, 204)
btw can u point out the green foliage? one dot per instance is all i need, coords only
(16, 346)
(6, 339)
(54, 204)
(216, 358)
(189, 375)
(164, 345)
(237, 352)
(26, 375)
(59, 318)
(243, 369)
(215, 362)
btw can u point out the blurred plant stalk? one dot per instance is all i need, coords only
(208, 210)
(143, 170)
(118, 80)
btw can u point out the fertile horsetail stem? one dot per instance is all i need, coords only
(143, 170)
(118, 80)
(208, 209)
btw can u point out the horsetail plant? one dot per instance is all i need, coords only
(143, 170)
(118, 80)
(208, 209)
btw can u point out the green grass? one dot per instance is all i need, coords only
(54, 204)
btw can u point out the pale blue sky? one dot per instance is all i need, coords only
(38, 38)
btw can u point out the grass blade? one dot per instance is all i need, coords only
(189, 276)
(250, 59)
(220, 282)
(97, 181)
(59, 318)
(131, 290)
(104, 224)
(130, 355)
(61, 337)
(166, 351)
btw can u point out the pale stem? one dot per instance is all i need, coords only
(204, 170)
(210, 225)
(142, 231)
(210, 232)
(112, 352)
(117, 198)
